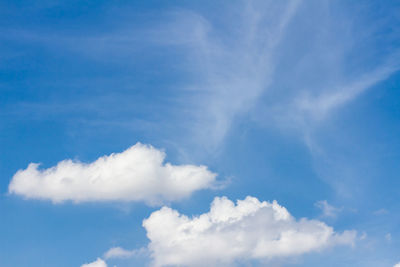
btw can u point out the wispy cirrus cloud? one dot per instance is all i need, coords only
(232, 67)
(327, 209)
(318, 107)
(258, 52)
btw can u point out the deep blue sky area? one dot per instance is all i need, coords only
(293, 101)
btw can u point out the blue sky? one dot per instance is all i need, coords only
(293, 101)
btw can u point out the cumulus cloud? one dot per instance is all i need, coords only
(98, 263)
(137, 174)
(249, 230)
(397, 265)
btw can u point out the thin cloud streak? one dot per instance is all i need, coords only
(121, 253)
(233, 69)
(327, 209)
(321, 106)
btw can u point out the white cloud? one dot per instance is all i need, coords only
(397, 265)
(137, 174)
(118, 252)
(98, 263)
(327, 209)
(318, 107)
(249, 230)
(236, 64)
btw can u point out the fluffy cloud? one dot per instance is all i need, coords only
(98, 263)
(249, 230)
(118, 252)
(397, 265)
(137, 174)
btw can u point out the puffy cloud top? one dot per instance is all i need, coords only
(98, 263)
(249, 230)
(137, 174)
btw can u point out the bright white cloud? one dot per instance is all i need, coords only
(249, 230)
(397, 265)
(98, 263)
(137, 174)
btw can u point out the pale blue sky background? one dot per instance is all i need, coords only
(294, 101)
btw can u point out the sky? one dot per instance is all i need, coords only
(199, 133)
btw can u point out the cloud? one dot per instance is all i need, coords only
(327, 209)
(118, 252)
(235, 63)
(98, 263)
(270, 66)
(363, 236)
(381, 212)
(318, 107)
(249, 230)
(137, 174)
(397, 265)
